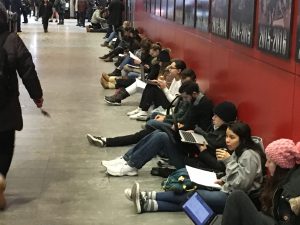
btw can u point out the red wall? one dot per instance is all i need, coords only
(264, 88)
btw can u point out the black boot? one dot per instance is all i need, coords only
(117, 98)
(116, 72)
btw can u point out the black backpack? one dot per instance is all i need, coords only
(289, 188)
(4, 73)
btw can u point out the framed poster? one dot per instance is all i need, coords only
(242, 21)
(179, 11)
(171, 10)
(298, 36)
(219, 17)
(163, 8)
(153, 7)
(189, 13)
(202, 15)
(157, 8)
(274, 27)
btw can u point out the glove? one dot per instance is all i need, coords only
(39, 102)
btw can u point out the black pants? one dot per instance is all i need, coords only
(239, 210)
(128, 139)
(45, 21)
(7, 144)
(82, 18)
(124, 83)
(153, 95)
(61, 17)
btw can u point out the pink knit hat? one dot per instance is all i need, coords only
(284, 153)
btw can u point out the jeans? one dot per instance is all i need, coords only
(240, 210)
(111, 36)
(133, 75)
(150, 146)
(7, 144)
(170, 202)
(125, 61)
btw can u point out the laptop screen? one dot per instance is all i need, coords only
(199, 212)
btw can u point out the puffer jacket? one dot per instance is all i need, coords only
(19, 60)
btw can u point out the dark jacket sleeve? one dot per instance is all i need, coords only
(27, 72)
(154, 71)
(200, 115)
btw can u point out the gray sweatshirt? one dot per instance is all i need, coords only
(244, 173)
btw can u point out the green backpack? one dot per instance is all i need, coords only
(179, 182)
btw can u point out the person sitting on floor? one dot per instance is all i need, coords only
(244, 171)
(282, 156)
(98, 21)
(165, 141)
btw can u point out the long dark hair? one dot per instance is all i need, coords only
(246, 142)
(269, 188)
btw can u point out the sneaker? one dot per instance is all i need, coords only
(128, 195)
(95, 140)
(111, 100)
(120, 170)
(136, 197)
(133, 112)
(139, 115)
(50, 20)
(2, 189)
(116, 161)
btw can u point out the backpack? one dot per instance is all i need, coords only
(4, 73)
(288, 189)
(179, 182)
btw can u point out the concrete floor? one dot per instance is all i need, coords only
(56, 176)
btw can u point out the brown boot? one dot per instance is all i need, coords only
(2, 189)
(104, 83)
(105, 76)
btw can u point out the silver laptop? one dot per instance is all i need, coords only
(191, 137)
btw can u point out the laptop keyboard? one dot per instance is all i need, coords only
(189, 137)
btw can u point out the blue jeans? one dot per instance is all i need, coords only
(150, 146)
(133, 75)
(170, 202)
(126, 60)
(158, 124)
(111, 36)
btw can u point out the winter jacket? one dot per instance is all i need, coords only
(19, 60)
(115, 9)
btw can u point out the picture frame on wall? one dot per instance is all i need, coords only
(219, 17)
(157, 7)
(202, 15)
(189, 13)
(179, 11)
(164, 8)
(242, 21)
(274, 27)
(171, 10)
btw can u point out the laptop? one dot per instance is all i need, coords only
(199, 212)
(191, 137)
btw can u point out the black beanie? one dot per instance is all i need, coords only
(164, 56)
(226, 111)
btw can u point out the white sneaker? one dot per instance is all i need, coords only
(139, 115)
(116, 161)
(120, 170)
(137, 110)
(127, 193)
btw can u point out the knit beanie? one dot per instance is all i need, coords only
(164, 56)
(226, 111)
(284, 153)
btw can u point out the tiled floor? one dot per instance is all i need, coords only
(56, 177)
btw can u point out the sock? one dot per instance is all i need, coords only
(150, 206)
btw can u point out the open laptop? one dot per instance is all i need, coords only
(199, 212)
(191, 137)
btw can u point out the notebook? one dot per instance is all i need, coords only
(191, 137)
(198, 211)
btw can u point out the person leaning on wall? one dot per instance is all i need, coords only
(19, 61)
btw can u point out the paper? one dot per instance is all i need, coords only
(203, 177)
(114, 39)
(134, 56)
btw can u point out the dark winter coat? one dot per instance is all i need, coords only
(19, 60)
(115, 10)
(45, 10)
